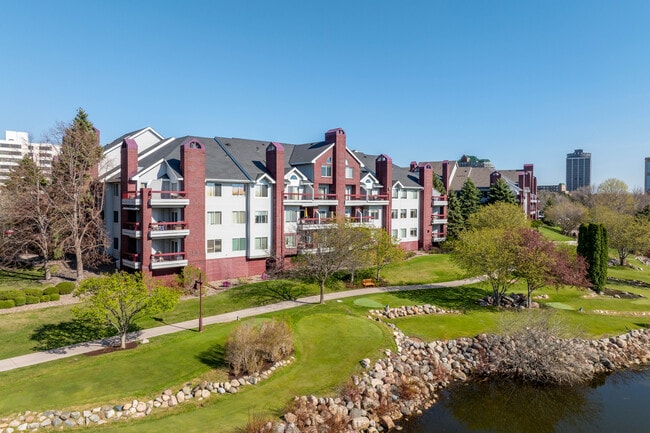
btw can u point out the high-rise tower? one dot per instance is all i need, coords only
(578, 170)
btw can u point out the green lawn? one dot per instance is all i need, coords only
(431, 268)
(11, 279)
(554, 234)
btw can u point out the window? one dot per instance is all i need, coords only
(213, 189)
(239, 244)
(329, 160)
(413, 233)
(326, 170)
(393, 233)
(261, 190)
(403, 193)
(414, 213)
(261, 243)
(413, 194)
(349, 172)
(261, 217)
(402, 213)
(116, 189)
(323, 192)
(374, 214)
(393, 214)
(238, 217)
(290, 241)
(238, 189)
(116, 216)
(214, 245)
(402, 233)
(290, 216)
(214, 218)
(394, 193)
(116, 243)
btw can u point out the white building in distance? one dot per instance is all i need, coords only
(16, 145)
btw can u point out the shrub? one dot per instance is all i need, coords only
(7, 303)
(187, 278)
(275, 340)
(45, 298)
(51, 290)
(32, 300)
(33, 292)
(65, 287)
(257, 423)
(249, 347)
(55, 297)
(20, 301)
(11, 294)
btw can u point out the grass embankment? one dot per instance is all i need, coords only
(330, 340)
(554, 234)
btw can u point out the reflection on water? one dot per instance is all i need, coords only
(617, 403)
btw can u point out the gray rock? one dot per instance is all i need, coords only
(360, 423)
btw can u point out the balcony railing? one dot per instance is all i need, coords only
(132, 229)
(168, 198)
(131, 260)
(366, 197)
(129, 225)
(168, 260)
(168, 229)
(131, 198)
(323, 222)
(439, 200)
(438, 218)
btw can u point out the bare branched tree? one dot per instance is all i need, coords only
(78, 192)
(28, 211)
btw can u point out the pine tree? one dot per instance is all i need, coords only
(501, 193)
(469, 199)
(455, 221)
(592, 245)
(438, 185)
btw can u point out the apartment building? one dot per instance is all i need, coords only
(578, 170)
(14, 148)
(522, 182)
(228, 205)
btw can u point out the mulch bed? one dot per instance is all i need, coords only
(110, 349)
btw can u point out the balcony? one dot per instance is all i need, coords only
(357, 199)
(131, 260)
(316, 223)
(168, 198)
(298, 198)
(176, 229)
(440, 200)
(168, 260)
(439, 219)
(132, 230)
(131, 199)
(439, 237)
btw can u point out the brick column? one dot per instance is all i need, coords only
(128, 168)
(384, 170)
(426, 212)
(337, 136)
(193, 169)
(145, 246)
(275, 166)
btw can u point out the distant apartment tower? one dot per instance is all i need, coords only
(646, 175)
(578, 170)
(16, 145)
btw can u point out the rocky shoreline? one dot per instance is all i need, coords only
(402, 384)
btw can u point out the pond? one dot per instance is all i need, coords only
(616, 403)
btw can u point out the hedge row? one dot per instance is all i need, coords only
(18, 298)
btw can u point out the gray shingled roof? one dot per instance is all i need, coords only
(402, 174)
(118, 141)
(305, 153)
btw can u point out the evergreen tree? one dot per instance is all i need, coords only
(469, 199)
(438, 185)
(455, 221)
(501, 193)
(592, 245)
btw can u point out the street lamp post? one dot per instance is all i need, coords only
(199, 283)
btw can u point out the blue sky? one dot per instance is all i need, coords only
(512, 81)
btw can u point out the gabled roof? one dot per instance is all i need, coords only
(307, 153)
(406, 178)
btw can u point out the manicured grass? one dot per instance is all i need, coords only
(554, 234)
(11, 279)
(431, 268)
(330, 340)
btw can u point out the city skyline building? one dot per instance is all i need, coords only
(16, 145)
(578, 170)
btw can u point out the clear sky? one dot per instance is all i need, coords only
(512, 81)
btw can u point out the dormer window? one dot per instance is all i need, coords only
(329, 160)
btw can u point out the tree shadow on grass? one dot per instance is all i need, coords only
(54, 337)
(275, 291)
(214, 357)
(457, 298)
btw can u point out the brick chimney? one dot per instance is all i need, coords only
(128, 168)
(384, 170)
(445, 175)
(275, 167)
(426, 181)
(337, 136)
(193, 170)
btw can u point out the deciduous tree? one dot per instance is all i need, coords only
(79, 194)
(625, 233)
(121, 298)
(384, 250)
(498, 215)
(567, 215)
(29, 211)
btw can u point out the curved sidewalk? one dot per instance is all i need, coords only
(82, 348)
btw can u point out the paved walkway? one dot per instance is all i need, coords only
(81, 348)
